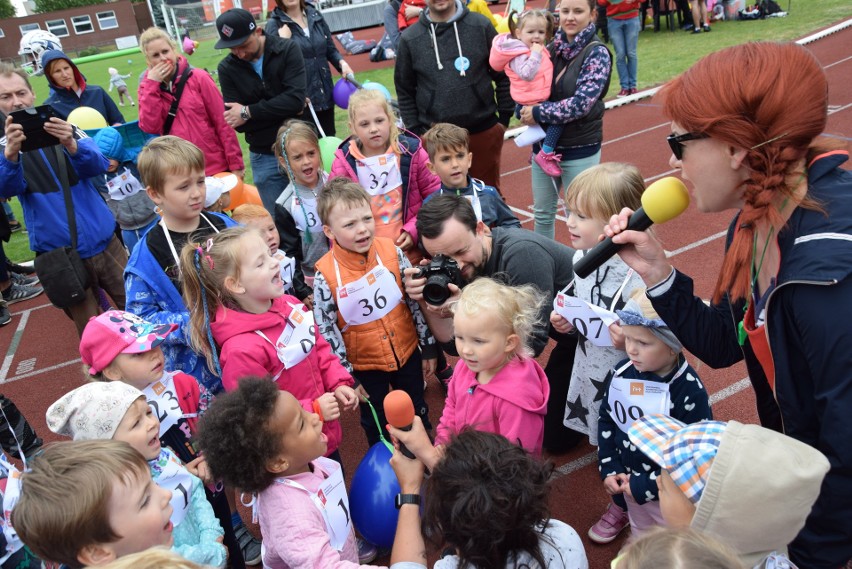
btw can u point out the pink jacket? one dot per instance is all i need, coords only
(245, 353)
(512, 404)
(418, 181)
(199, 119)
(294, 534)
(530, 74)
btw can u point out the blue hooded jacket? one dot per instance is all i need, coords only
(65, 100)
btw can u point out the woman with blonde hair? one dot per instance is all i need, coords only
(746, 126)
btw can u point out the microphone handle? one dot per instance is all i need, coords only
(402, 448)
(604, 250)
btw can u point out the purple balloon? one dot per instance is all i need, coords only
(343, 89)
(371, 497)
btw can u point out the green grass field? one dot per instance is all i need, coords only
(662, 55)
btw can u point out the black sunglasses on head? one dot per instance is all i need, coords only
(676, 141)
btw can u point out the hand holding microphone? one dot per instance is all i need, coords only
(399, 411)
(663, 200)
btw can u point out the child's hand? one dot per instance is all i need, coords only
(199, 468)
(536, 48)
(346, 397)
(329, 407)
(617, 335)
(624, 480)
(560, 323)
(308, 301)
(405, 241)
(612, 485)
(429, 367)
(361, 393)
(285, 32)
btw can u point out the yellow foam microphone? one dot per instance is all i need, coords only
(663, 200)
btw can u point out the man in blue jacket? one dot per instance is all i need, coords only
(34, 177)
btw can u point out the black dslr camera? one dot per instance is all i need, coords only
(439, 273)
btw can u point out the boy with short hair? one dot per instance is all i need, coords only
(450, 157)
(172, 170)
(86, 503)
(360, 305)
(256, 216)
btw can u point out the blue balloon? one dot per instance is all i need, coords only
(371, 497)
(377, 87)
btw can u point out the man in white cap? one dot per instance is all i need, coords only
(263, 83)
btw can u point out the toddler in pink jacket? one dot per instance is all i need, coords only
(497, 386)
(521, 54)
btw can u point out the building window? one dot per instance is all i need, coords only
(2, 33)
(107, 20)
(28, 28)
(58, 28)
(82, 24)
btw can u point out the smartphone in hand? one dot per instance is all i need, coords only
(33, 120)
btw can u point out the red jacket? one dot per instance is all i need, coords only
(400, 16)
(621, 9)
(200, 118)
(245, 353)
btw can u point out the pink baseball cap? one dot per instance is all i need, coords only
(117, 332)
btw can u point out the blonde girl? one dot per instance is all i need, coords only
(497, 386)
(199, 117)
(238, 303)
(676, 548)
(592, 198)
(299, 227)
(522, 54)
(389, 164)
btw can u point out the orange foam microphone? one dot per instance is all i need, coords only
(399, 411)
(663, 200)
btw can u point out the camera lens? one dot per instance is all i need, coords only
(436, 291)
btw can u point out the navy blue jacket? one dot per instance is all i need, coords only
(318, 50)
(495, 212)
(809, 322)
(64, 100)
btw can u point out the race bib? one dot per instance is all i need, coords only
(305, 214)
(163, 400)
(332, 502)
(123, 186)
(370, 298)
(168, 473)
(379, 174)
(288, 268)
(298, 337)
(11, 493)
(630, 399)
(588, 319)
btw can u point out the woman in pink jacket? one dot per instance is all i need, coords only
(199, 118)
(521, 54)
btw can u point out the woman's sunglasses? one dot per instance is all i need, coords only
(676, 142)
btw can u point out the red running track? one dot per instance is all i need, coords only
(41, 362)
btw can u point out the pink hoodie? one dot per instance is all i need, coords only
(530, 74)
(245, 353)
(512, 404)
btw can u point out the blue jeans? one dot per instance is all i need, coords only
(625, 37)
(270, 181)
(546, 193)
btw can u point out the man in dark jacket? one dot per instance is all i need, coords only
(442, 75)
(263, 83)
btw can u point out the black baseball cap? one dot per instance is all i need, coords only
(234, 27)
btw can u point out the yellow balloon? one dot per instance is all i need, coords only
(502, 25)
(87, 118)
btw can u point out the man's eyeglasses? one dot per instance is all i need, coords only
(676, 141)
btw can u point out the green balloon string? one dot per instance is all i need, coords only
(378, 426)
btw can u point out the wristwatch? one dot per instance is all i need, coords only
(245, 114)
(402, 499)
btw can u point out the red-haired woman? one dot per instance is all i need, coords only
(746, 126)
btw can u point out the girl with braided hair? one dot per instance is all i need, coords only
(746, 126)
(238, 303)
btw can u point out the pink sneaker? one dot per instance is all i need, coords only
(610, 525)
(549, 163)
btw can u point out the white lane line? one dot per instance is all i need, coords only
(41, 371)
(592, 457)
(13, 345)
(695, 244)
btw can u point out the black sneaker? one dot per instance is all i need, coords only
(696, 30)
(15, 226)
(19, 293)
(249, 545)
(23, 280)
(20, 269)
(706, 28)
(5, 315)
